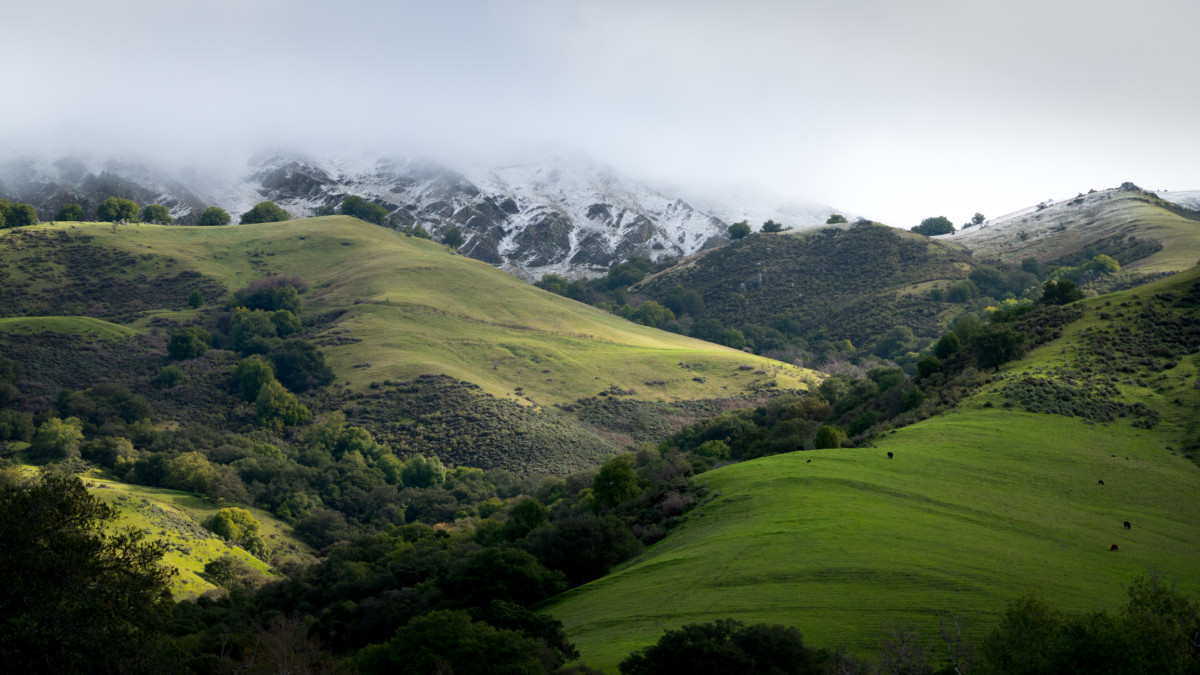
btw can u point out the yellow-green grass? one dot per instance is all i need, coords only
(417, 308)
(977, 507)
(177, 518)
(72, 325)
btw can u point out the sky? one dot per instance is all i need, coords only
(892, 110)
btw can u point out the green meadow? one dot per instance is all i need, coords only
(977, 507)
(405, 307)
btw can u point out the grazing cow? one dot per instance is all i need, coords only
(1113, 547)
(1128, 526)
(889, 454)
(810, 461)
(1102, 482)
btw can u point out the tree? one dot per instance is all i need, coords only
(250, 375)
(451, 642)
(276, 407)
(17, 215)
(739, 230)
(195, 299)
(239, 526)
(725, 646)
(583, 547)
(57, 439)
(420, 232)
(213, 215)
(828, 437)
(300, 366)
(264, 212)
(357, 207)
(772, 226)
(188, 343)
(116, 209)
(1060, 292)
(157, 214)
(616, 481)
(995, 345)
(247, 324)
(947, 346)
(423, 472)
(650, 313)
(78, 595)
(927, 365)
(70, 213)
(835, 219)
(453, 238)
(934, 226)
(978, 219)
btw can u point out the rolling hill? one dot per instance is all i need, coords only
(978, 505)
(387, 310)
(1143, 231)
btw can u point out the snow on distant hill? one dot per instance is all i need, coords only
(559, 212)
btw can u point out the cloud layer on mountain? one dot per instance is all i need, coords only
(898, 110)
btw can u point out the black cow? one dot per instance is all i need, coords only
(1102, 482)
(1128, 526)
(889, 454)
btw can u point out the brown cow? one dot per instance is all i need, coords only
(1113, 547)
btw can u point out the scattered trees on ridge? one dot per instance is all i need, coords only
(115, 209)
(213, 215)
(264, 212)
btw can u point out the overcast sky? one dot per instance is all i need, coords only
(894, 110)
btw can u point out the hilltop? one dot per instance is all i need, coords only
(1024, 487)
(1142, 231)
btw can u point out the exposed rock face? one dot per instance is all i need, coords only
(564, 215)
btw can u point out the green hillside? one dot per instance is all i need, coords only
(386, 307)
(977, 506)
(433, 352)
(853, 282)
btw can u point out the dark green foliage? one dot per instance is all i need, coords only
(70, 212)
(285, 323)
(554, 283)
(104, 408)
(450, 642)
(357, 207)
(934, 226)
(501, 573)
(1031, 266)
(725, 646)
(526, 516)
(276, 407)
(616, 481)
(264, 212)
(994, 345)
(272, 294)
(583, 547)
(978, 219)
(169, 375)
(453, 238)
(1125, 250)
(423, 472)
(78, 597)
(188, 343)
(928, 365)
(213, 215)
(961, 291)
(739, 230)
(828, 437)
(157, 214)
(420, 232)
(681, 301)
(1060, 292)
(300, 366)
(650, 313)
(1002, 282)
(250, 375)
(835, 219)
(16, 426)
(116, 209)
(17, 215)
(895, 342)
(772, 226)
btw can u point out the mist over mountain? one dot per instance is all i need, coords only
(555, 212)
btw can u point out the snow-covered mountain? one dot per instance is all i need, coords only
(559, 213)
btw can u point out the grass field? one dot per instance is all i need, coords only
(177, 518)
(413, 307)
(977, 507)
(85, 326)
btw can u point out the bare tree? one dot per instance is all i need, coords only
(959, 653)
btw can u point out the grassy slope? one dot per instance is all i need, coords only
(84, 326)
(1112, 212)
(416, 308)
(977, 507)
